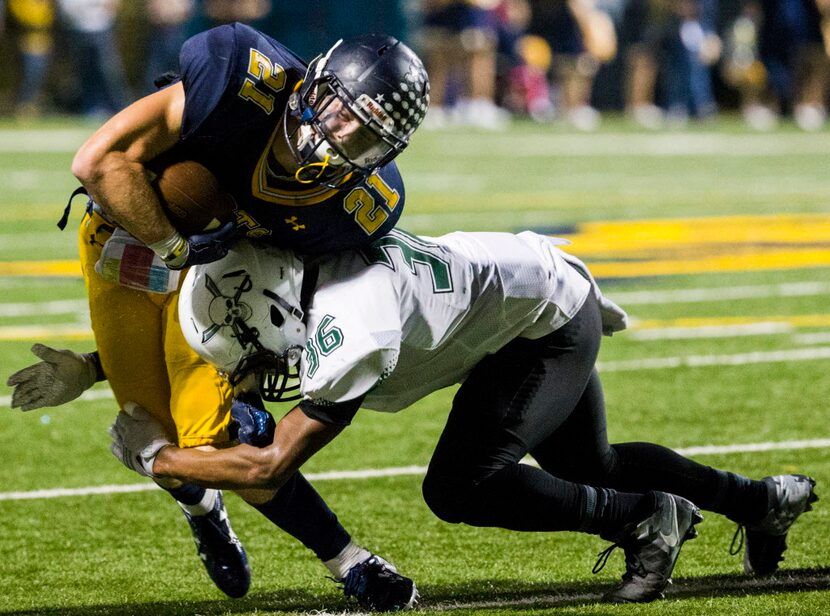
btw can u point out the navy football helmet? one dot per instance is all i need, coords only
(356, 109)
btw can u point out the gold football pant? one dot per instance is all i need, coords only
(144, 353)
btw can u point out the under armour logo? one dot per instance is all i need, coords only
(295, 226)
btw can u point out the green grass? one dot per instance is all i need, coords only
(132, 553)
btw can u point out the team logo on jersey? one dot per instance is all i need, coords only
(225, 310)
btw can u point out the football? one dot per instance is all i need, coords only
(191, 197)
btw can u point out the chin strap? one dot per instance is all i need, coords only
(65, 218)
(311, 168)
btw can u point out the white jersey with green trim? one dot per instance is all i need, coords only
(410, 315)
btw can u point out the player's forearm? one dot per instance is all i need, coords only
(122, 188)
(241, 466)
(111, 162)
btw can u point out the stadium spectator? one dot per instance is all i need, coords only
(743, 70)
(518, 323)
(89, 30)
(524, 63)
(692, 47)
(320, 142)
(793, 49)
(643, 29)
(221, 12)
(30, 23)
(581, 37)
(459, 40)
(168, 20)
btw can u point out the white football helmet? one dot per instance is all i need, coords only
(243, 315)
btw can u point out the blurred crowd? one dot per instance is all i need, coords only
(662, 62)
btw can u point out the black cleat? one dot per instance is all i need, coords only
(766, 540)
(377, 585)
(221, 552)
(651, 549)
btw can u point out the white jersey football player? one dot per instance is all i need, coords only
(513, 319)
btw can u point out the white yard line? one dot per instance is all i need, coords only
(400, 471)
(812, 338)
(711, 331)
(697, 361)
(66, 306)
(43, 140)
(715, 294)
(92, 394)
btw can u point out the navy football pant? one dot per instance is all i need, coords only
(544, 397)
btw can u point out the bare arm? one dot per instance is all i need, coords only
(111, 162)
(296, 439)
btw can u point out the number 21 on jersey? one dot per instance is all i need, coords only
(368, 213)
(265, 78)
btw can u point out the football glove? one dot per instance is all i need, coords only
(197, 249)
(137, 438)
(62, 376)
(251, 425)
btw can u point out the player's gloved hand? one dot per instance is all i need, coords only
(137, 439)
(179, 252)
(62, 376)
(251, 425)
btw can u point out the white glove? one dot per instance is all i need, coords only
(62, 376)
(137, 438)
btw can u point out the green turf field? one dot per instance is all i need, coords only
(717, 241)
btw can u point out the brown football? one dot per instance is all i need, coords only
(191, 197)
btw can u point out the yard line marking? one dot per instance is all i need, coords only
(715, 294)
(46, 332)
(60, 268)
(89, 395)
(400, 471)
(23, 309)
(35, 141)
(795, 320)
(696, 361)
(812, 338)
(86, 491)
(704, 450)
(711, 331)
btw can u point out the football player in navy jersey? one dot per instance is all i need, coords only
(307, 153)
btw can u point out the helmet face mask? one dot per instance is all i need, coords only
(277, 374)
(356, 110)
(242, 314)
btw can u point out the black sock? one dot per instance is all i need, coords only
(302, 513)
(614, 510)
(188, 493)
(645, 466)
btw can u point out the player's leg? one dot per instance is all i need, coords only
(511, 402)
(201, 405)
(579, 451)
(300, 511)
(127, 325)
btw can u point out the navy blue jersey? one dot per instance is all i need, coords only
(237, 82)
